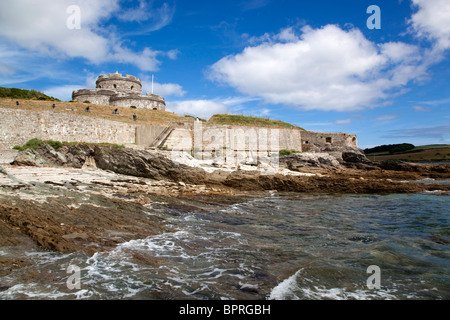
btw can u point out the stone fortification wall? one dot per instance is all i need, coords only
(92, 96)
(145, 135)
(138, 102)
(328, 142)
(239, 138)
(19, 126)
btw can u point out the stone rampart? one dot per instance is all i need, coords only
(138, 102)
(239, 138)
(19, 126)
(328, 142)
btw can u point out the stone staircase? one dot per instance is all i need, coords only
(162, 137)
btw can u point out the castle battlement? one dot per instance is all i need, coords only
(117, 76)
(154, 96)
(84, 91)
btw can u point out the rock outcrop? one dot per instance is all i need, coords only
(90, 198)
(311, 172)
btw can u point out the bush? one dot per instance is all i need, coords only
(54, 144)
(285, 152)
(37, 143)
(31, 144)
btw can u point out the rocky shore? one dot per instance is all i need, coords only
(89, 198)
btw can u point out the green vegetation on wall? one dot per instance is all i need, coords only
(38, 143)
(285, 152)
(240, 120)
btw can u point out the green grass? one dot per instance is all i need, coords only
(432, 146)
(194, 118)
(38, 143)
(14, 93)
(285, 152)
(231, 119)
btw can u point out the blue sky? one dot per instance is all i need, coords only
(312, 63)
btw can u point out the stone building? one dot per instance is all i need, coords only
(119, 91)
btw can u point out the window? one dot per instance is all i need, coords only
(305, 142)
(328, 140)
(133, 107)
(115, 86)
(155, 108)
(132, 87)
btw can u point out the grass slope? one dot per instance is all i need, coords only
(428, 153)
(144, 117)
(14, 93)
(239, 120)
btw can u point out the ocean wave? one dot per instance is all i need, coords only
(292, 289)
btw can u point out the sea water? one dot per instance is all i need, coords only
(284, 246)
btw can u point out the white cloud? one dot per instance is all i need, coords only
(64, 92)
(200, 108)
(41, 27)
(5, 69)
(343, 121)
(387, 117)
(421, 109)
(254, 4)
(161, 89)
(438, 132)
(173, 54)
(323, 69)
(155, 16)
(168, 89)
(432, 21)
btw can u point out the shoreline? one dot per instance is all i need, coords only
(89, 199)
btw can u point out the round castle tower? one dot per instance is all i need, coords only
(119, 91)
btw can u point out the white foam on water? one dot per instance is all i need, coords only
(37, 291)
(285, 290)
(289, 289)
(322, 293)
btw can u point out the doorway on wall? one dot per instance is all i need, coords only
(328, 140)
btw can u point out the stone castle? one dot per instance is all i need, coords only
(119, 91)
(18, 126)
